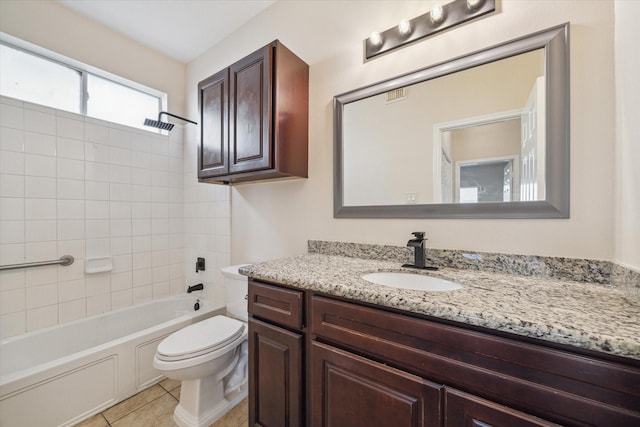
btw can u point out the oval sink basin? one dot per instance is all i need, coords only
(411, 281)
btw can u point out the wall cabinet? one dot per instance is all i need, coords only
(364, 365)
(254, 118)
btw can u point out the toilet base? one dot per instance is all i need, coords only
(187, 414)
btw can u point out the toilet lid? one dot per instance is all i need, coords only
(200, 338)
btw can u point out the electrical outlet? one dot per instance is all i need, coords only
(411, 198)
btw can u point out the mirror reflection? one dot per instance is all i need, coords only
(474, 136)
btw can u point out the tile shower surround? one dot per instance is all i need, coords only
(74, 185)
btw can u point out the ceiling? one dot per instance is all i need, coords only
(180, 29)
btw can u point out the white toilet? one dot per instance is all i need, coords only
(210, 358)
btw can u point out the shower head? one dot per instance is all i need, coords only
(165, 125)
(158, 124)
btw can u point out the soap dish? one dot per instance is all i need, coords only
(98, 265)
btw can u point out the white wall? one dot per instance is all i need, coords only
(276, 219)
(72, 185)
(627, 178)
(48, 24)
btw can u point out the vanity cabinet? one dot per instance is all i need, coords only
(276, 344)
(254, 118)
(349, 390)
(367, 365)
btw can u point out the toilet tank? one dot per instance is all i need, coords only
(235, 286)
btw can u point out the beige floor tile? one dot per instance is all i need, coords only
(238, 415)
(169, 385)
(134, 402)
(176, 392)
(157, 413)
(95, 421)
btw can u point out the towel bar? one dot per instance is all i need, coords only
(64, 260)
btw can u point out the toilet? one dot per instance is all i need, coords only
(210, 358)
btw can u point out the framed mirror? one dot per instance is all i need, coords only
(485, 135)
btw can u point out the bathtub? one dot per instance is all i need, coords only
(61, 375)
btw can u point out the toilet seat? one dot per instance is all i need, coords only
(200, 338)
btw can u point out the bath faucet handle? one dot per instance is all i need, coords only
(419, 235)
(200, 266)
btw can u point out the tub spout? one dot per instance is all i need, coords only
(197, 287)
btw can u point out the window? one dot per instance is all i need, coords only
(108, 100)
(35, 75)
(38, 80)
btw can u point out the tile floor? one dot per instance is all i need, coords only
(154, 407)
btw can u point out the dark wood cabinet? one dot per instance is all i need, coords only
(213, 156)
(365, 365)
(250, 109)
(254, 118)
(276, 356)
(349, 390)
(275, 383)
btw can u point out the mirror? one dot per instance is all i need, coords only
(485, 135)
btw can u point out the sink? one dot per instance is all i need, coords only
(411, 281)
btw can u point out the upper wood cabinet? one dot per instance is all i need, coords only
(254, 118)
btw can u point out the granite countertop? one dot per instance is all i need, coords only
(587, 315)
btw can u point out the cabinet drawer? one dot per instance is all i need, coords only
(556, 385)
(279, 305)
(462, 409)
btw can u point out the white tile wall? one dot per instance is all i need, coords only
(88, 188)
(206, 223)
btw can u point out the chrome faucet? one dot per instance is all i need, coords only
(418, 243)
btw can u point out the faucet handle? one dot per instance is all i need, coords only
(419, 235)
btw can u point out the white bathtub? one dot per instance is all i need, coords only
(61, 375)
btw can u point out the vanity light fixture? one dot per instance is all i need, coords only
(439, 18)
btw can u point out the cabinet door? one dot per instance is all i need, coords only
(275, 376)
(349, 390)
(213, 102)
(462, 409)
(250, 108)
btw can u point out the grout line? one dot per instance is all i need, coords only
(140, 408)
(105, 419)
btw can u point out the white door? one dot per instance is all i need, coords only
(532, 186)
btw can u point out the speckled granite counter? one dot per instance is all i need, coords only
(587, 315)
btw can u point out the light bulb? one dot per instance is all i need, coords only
(375, 38)
(404, 27)
(472, 4)
(437, 13)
